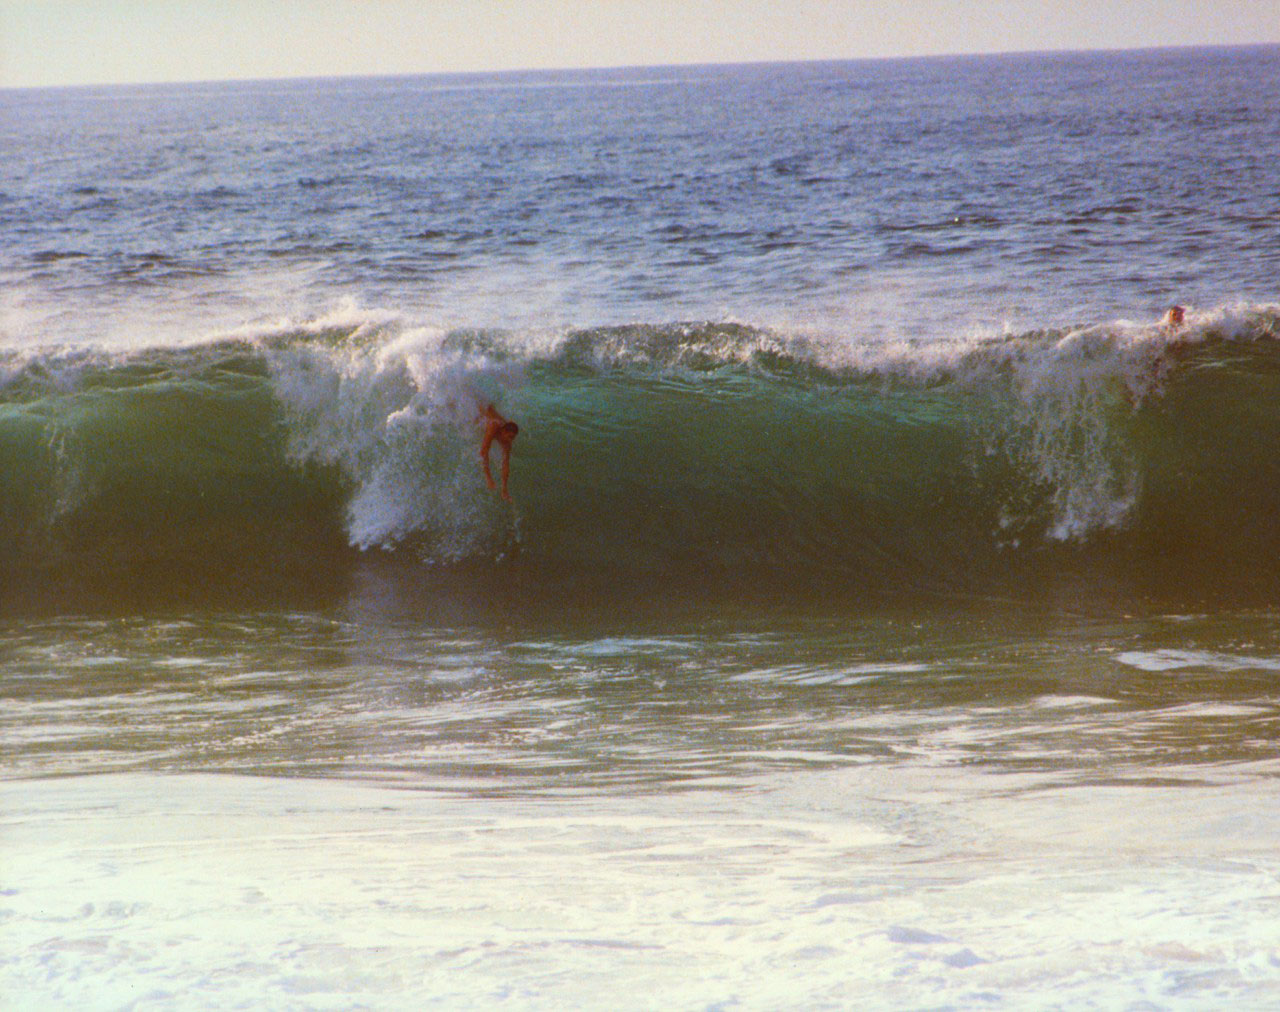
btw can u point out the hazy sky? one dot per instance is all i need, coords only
(100, 41)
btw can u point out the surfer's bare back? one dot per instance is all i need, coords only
(504, 432)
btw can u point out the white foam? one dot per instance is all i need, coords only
(397, 415)
(1176, 660)
(1071, 702)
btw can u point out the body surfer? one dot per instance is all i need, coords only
(1172, 348)
(503, 432)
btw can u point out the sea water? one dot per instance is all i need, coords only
(884, 616)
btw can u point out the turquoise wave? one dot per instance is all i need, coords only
(1108, 458)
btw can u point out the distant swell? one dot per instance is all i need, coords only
(1112, 456)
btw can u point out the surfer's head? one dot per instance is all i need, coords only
(507, 432)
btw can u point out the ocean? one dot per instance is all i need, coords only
(885, 613)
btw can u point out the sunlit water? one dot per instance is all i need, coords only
(901, 809)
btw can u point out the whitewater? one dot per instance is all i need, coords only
(885, 614)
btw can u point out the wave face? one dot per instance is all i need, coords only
(1115, 456)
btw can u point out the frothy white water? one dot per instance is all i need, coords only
(905, 891)
(398, 416)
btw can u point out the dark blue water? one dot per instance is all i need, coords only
(911, 198)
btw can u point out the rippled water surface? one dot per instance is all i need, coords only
(941, 807)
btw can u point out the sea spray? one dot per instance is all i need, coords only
(398, 419)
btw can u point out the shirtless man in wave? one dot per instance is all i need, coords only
(503, 432)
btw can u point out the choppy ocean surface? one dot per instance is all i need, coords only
(885, 616)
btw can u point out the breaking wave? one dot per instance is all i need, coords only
(1109, 455)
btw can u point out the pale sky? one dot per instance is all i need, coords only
(55, 42)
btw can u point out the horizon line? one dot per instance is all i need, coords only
(603, 68)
